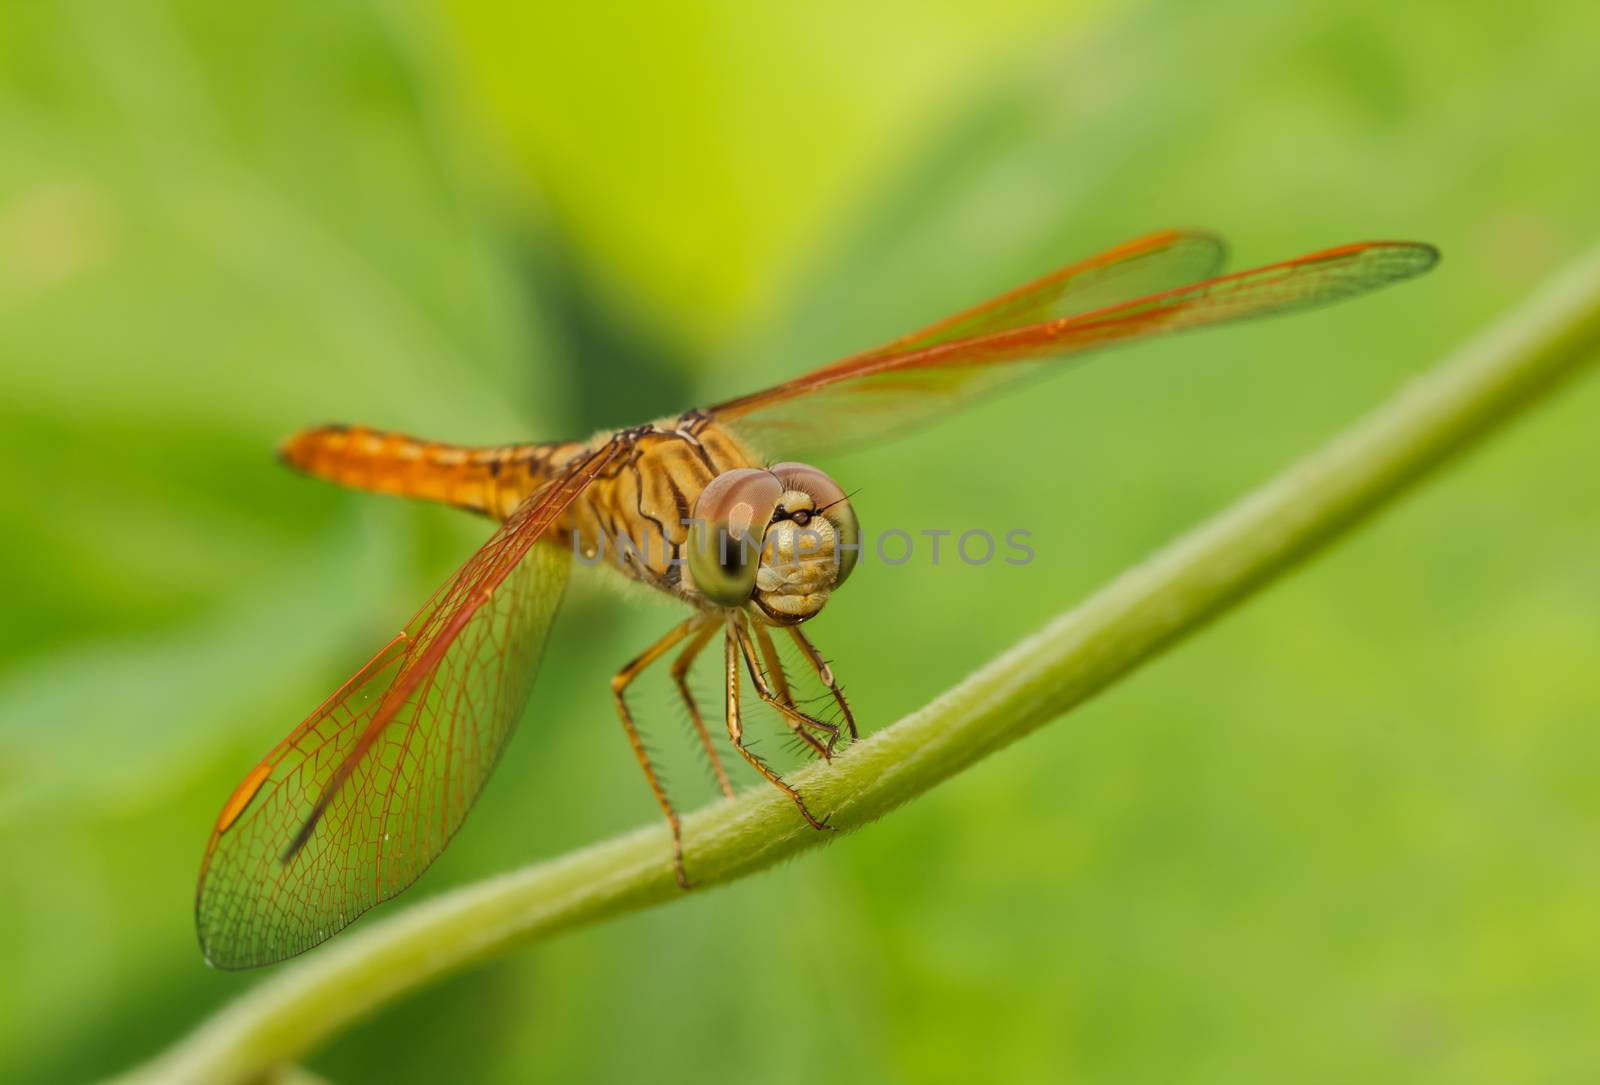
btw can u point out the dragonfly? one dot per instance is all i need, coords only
(362, 796)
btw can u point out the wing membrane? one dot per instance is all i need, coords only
(882, 391)
(355, 804)
(1135, 269)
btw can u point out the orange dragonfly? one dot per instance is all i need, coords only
(359, 799)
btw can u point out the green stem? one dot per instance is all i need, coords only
(1080, 653)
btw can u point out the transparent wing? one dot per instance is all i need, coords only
(914, 379)
(1134, 269)
(354, 805)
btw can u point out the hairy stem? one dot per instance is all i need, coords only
(1125, 624)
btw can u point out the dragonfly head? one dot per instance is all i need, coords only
(781, 538)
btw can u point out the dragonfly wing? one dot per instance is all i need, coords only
(893, 388)
(1138, 268)
(354, 805)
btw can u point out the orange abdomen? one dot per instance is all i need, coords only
(492, 481)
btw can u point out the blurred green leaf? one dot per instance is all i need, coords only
(702, 151)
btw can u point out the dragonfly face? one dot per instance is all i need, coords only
(362, 796)
(781, 539)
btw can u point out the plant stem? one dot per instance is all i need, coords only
(1078, 654)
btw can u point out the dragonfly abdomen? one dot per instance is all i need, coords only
(492, 481)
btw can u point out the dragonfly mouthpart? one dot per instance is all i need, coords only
(800, 561)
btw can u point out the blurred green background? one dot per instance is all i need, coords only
(1350, 832)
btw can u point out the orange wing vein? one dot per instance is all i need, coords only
(354, 805)
(908, 381)
(1146, 265)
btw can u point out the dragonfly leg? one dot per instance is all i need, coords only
(619, 688)
(680, 678)
(825, 673)
(780, 689)
(798, 721)
(735, 638)
(774, 665)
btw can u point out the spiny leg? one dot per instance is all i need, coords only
(774, 668)
(730, 676)
(825, 673)
(780, 689)
(619, 686)
(680, 678)
(798, 721)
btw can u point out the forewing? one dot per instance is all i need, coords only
(881, 392)
(1138, 268)
(356, 803)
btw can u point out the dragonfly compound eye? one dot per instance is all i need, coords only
(725, 537)
(829, 500)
